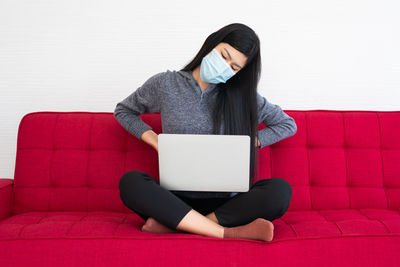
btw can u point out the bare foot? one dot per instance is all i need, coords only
(154, 226)
(259, 229)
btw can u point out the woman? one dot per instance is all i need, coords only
(216, 93)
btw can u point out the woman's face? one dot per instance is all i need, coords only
(236, 59)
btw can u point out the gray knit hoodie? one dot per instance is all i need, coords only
(185, 109)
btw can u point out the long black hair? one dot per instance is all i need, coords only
(236, 103)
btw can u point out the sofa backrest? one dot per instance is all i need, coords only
(72, 161)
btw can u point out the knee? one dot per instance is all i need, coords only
(283, 187)
(281, 191)
(285, 192)
(130, 181)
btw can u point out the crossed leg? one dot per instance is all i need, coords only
(266, 200)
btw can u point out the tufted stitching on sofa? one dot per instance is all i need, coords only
(119, 224)
(291, 227)
(380, 151)
(87, 165)
(113, 220)
(25, 225)
(22, 228)
(308, 160)
(75, 222)
(341, 232)
(52, 158)
(369, 218)
(346, 161)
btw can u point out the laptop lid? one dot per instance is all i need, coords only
(204, 162)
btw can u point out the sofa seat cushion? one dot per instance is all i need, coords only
(293, 225)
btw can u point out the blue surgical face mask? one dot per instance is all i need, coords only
(214, 68)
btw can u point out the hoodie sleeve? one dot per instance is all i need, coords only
(280, 125)
(146, 99)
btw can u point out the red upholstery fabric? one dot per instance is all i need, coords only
(5, 197)
(344, 167)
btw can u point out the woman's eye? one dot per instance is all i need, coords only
(225, 59)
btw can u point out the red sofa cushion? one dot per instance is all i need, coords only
(294, 225)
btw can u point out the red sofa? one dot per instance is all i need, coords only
(63, 206)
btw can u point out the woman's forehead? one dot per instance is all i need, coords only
(236, 55)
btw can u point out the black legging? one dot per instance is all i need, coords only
(267, 198)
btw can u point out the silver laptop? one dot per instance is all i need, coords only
(204, 162)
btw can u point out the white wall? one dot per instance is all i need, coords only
(81, 55)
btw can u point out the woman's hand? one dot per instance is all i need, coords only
(257, 144)
(151, 138)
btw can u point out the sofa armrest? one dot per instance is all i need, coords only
(6, 186)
